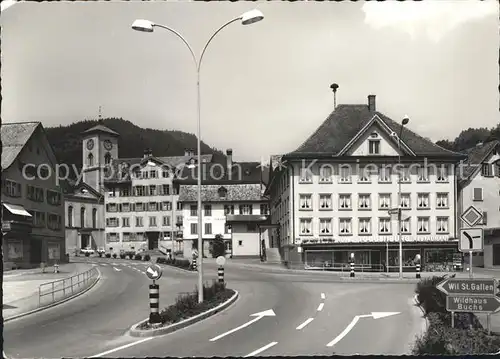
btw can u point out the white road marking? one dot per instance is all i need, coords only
(103, 264)
(258, 351)
(320, 307)
(323, 296)
(116, 269)
(122, 347)
(305, 323)
(344, 332)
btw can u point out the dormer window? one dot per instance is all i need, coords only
(222, 192)
(374, 144)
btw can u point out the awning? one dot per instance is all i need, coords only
(16, 209)
(245, 218)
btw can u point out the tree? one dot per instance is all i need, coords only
(218, 247)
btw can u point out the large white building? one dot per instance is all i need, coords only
(332, 196)
(479, 186)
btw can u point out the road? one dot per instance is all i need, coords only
(310, 310)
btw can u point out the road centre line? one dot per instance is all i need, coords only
(304, 324)
(320, 307)
(258, 351)
(122, 347)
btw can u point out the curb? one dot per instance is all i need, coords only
(17, 316)
(134, 332)
(179, 268)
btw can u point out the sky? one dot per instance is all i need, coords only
(265, 87)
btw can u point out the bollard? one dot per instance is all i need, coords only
(352, 270)
(56, 268)
(194, 264)
(220, 274)
(418, 270)
(154, 304)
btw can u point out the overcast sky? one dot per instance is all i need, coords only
(265, 87)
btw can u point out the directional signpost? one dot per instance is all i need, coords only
(471, 239)
(471, 295)
(154, 273)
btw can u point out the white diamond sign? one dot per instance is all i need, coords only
(471, 216)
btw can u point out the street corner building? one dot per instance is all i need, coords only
(32, 200)
(479, 186)
(234, 208)
(342, 190)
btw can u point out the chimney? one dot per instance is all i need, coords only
(187, 152)
(371, 103)
(229, 157)
(146, 153)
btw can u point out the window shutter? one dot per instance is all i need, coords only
(485, 218)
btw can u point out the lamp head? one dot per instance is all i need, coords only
(251, 17)
(405, 121)
(143, 25)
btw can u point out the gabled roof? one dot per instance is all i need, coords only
(101, 128)
(210, 193)
(217, 173)
(475, 157)
(346, 121)
(14, 137)
(71, 188)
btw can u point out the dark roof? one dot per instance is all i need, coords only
(346, 121)
(217, 173)
(222, 193)
(14, 137)
(101, 128)
(475, 156)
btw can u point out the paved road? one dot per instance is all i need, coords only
(97, 324)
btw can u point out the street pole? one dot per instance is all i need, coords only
(172, 224)
(403, 123)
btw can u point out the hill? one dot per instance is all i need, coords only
(67, 140)
(470, 138)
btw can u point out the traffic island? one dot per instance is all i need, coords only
(187, 311)
(180, 263)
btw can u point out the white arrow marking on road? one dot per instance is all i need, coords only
(258, 316)
(153, 272)
(320, 307)
(374, 315)
(122, 347)
(116, 269)
(258, 351)
(305, 323)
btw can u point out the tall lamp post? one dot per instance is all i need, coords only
(404, 122)
(247, 18)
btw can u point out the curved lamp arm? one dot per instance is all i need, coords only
(183, 40)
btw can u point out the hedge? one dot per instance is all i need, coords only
(175, 262)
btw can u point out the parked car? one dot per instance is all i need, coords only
(87, 250)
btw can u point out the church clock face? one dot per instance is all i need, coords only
(108, 145)
(90, 144)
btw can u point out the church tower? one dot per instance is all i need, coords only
(100, 147)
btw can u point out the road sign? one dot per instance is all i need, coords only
(471, 303)
(154, 272)
(471, 240)
(220, 260)
(471, 216)
(468, 286)
(393, 211)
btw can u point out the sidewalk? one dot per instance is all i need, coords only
(21, 287)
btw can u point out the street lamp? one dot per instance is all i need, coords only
(248, 18)
(404, 122)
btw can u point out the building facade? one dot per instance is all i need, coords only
(479, 186)
(32, 199)
(339, 193)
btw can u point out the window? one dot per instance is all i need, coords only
(165, 189)
(227, 228)
(125, 207)
(38, 219)
(112, 237)
(264, 209)
(90, 160)
(228, 209)
(344, 201)
(165, 174)
(442, 225)
(152, 174)
(405, 200)
(246, 209)
(126, 237)
(240, 243)
(139, 207)
(405, 226)
(208, 228)
(345, 174)
(152, 190)
(70, 216)
(423, 225)
(208, 210)
(251, 227)
(139, 190)
(112, 222)
(12, 189)
(325, 226)
(384, 201)
(384, 174)
(404, 173)
(194, 211)
(305, 226)
(325, 201)
(152, 206)
(125, 222)
(54, 222)
(94, 218)
(442, 174)
(107, 158)
(166, 206)
(364, 201)
(485, 218)
(166, 221)
(305, 175)
(54, 198)
(152, 221)
(477, 194)
(345, 226)
(179, 206)
(374, 147)
(365, 226)
(364, 175)
(487, 170)
(35, 194)
(442, 200)
(384, 225)
(222, 191)
(423, 201)
(82, 217)
(194, 228)
(422, 174)
(325, 174)
(144, 174)
(139, 222)
(305, 202)
(179, 221)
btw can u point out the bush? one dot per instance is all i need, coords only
(122, 255)
(429, 297)
(100, 254)
(108, 255)
(87, 254)
(114, 255)
(147, 257)
(218, 246)
(175, 262)
(178, 253)
(161, 260)
(138, 257)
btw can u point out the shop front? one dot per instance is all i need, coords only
(16, 236)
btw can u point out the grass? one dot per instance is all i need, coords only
(187, 306)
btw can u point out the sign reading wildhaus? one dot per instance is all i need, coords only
(472, 304)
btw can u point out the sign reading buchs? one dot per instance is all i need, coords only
(474, 304)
